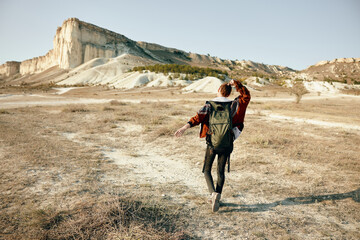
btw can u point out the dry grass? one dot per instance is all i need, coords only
(52, 188)
(3, 111)
(108, 108)
(333, 110)
(117, 103)
(75, 108)
(352, 91)
(117, 217)
(287, 181)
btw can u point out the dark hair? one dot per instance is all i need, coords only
(225, 89)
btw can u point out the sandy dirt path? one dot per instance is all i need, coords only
(146, 164)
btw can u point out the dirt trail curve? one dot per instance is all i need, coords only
(146, 164)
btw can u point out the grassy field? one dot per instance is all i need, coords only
(114, 170)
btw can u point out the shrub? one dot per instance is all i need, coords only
(117, 103)
(74, 109)
(298, 89)
(2, 111)
(190, 71)
(108, 109)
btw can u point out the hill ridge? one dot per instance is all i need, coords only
(76, 42)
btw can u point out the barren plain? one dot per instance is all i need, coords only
(100, 163)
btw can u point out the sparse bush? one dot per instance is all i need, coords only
(279, 82)
(123, 118)
(298, 89)
(168, 130)
(165, 131)
(2, 111)
(75, 109)
(176, 113)
(160, 105)
(108, 109)
(260, 140)
(156, 120)
(191, 72)
(352, 91)
(117, 103)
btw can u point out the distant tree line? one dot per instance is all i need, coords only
(191, 72)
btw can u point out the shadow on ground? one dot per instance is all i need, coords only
(262, 207)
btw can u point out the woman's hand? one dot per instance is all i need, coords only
(234, 82)
(181, 131)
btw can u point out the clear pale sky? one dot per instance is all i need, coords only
(293, 33)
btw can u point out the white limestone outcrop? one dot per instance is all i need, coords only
(75, 43)
(9, 68)
(37, 64)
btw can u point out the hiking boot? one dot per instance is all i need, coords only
(215, 201)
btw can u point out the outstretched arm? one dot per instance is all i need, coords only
(181, 130)
(200, 117)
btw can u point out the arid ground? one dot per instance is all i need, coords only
(101, 163)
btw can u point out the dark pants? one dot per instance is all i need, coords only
(221, 162)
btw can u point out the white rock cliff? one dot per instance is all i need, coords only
(76, 42)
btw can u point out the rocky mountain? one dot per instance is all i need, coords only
(92, 54)
(342, 69)
(77, 42)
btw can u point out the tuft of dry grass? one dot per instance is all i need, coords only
(108, 109)
(352, 91)
(168, 130)
(177, 113)
(75, 109)
(117, 103)
(113, 216)
(3, 111)
(156, 120)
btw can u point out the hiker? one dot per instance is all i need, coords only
(222, 121)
